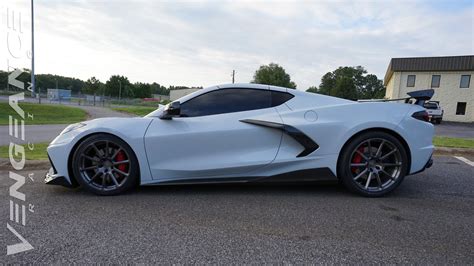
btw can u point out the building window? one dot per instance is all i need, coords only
(435, 80)
(465, 80)
(411, 80)
(461, 108)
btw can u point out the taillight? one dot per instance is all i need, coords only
(421, 115)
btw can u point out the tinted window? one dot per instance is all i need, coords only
(411, 81)
(465, 80)
(226, 101)
(461, 108)
(280, 97)
(431, 106)
(435, 80)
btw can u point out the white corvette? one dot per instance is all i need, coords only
(249, 133)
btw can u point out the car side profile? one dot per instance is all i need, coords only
(248, 133)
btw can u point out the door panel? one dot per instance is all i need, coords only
(210, 146)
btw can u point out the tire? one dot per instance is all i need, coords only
(375, 173)
(105, 165)
(438, 121)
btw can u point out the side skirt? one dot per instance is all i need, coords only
(306, 175)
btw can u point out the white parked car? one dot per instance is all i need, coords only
(248, 133)
(434, 111)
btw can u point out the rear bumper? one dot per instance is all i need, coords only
(428, 164)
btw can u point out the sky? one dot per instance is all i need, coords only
(195, 43)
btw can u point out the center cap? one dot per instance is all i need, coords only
(107, 163)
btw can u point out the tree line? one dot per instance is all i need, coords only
(349, 82)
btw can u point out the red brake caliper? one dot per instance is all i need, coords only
(357, 159)
(120, 157)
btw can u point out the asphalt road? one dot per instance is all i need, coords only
(427, 220)
(455, 130)
(46, 133)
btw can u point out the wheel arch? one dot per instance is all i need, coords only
(74, 148)
(386, 130)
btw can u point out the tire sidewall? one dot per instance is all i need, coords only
(132, 179)
(347, 178)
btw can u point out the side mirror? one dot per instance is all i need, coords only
(174, 109)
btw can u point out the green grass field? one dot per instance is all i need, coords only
(38, 153)
(453, 142)
(136, 110)
(43, 114)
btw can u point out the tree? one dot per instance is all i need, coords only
(312, 89)
(360, 86)
(93, 86)
(142, 90)
(119, 85)
(273, 74)
(345, 88)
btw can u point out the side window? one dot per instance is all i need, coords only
(226, 101)
(411, 80)
(280, 97)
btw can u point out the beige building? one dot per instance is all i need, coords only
(451, 77)
(178, 93)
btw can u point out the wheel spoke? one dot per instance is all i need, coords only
(358, 164)
(115, 153)
(121, 162)
(391, 164)
(99, 152)
(379, 150)
(120, 172)
(103, 180)
(369, 147)
(106, 148)
(363, 155)
(90, 158)
(360, 174)
(368, 180)
(88, 168)
(388, 154)
(387, 174)
(95, 176)
(114, 179)
(377, 176)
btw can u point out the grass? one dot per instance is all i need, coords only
(43, 114)
(136, 110)
(453, 142)
(38, 153)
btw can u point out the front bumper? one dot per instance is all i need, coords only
(53, 178)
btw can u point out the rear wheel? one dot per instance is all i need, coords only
(373, 164)
(105, 165)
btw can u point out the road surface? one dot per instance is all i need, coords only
(428, 220)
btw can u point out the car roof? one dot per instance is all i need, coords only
(232, 85)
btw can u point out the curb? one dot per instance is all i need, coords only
(453, 151)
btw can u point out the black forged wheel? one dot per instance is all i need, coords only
(105, 165)
(373, 164)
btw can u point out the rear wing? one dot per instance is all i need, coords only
(420, 97)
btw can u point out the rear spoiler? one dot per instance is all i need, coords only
(420, 97)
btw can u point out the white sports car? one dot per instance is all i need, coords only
(249, 133)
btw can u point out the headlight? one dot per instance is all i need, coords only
(72, 127)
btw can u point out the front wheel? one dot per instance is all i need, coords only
(105, 165)
(373, 164)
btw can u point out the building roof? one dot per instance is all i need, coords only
(439, 63)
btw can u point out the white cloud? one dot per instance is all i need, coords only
(199, 43)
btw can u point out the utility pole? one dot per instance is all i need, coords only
(33, 83)
(120, 89)
(233, 76)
